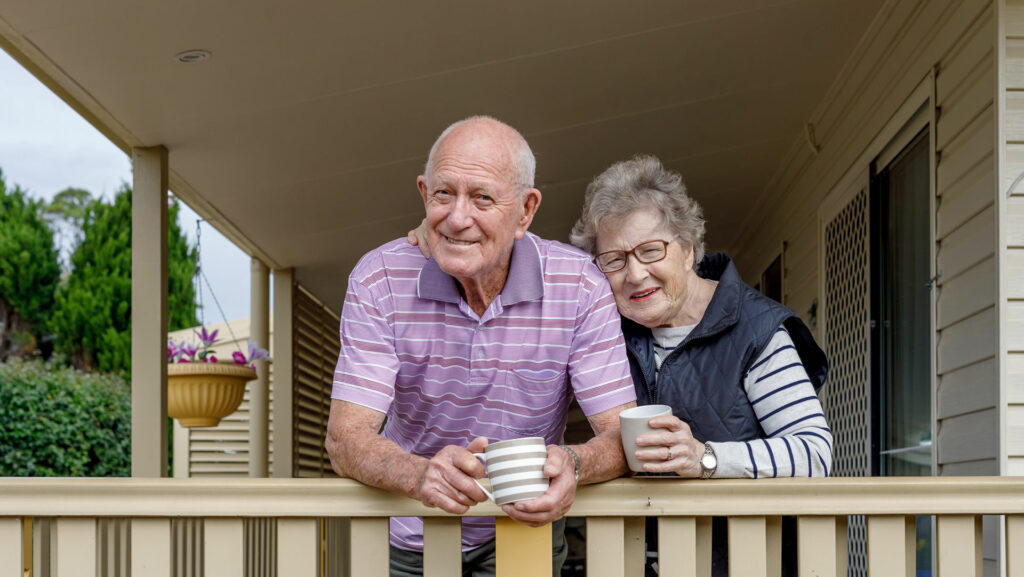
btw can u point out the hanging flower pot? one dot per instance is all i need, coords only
(201, 394)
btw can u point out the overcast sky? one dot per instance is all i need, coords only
(45, 147)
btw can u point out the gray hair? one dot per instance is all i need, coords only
(636, 184)
(523, 161)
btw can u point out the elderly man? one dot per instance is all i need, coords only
(487, 340)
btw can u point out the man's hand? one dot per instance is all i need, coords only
(418, 237)
(555, 502)
(447, 479)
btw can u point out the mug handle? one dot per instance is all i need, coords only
(482, 457)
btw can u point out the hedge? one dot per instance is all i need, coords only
(59, 422)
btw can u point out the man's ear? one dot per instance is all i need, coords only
(531, 202)
(421, 183)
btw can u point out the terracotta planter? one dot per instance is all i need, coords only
(201, 394)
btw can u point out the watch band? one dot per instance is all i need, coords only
(575, 460)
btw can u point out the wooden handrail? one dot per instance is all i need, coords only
(107, 497)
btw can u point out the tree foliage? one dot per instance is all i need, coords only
(93, 318)
(60, 422)
(29, 272)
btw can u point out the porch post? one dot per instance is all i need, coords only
(149, 312)
(260, 333)
(282, 355)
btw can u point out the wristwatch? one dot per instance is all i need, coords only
(708, 462)
(575, 460)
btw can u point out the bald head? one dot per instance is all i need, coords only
(485, 130)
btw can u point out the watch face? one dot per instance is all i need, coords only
(708, 461)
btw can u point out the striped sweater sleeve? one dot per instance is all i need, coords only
(799, 442)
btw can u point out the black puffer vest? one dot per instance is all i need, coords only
(702, 380)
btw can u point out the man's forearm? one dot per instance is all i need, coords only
(601, 458)
(378, 462)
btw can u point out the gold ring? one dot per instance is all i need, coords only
(669, 457)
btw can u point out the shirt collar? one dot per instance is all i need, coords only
(525, 280)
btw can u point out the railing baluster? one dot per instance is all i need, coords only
(684, 546)
(773, 545)
(891, 540)
(635, 546)
(297, 547)
(748, 547)
(370, 548)
(442, 546)
(223, 547)
(11, 547)
(818, 547)
(1015, 546)
(76, 547)
(605, 546)
(521, 549)
(958, 541)
(151, 547)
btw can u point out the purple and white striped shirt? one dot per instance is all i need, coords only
(412, 348)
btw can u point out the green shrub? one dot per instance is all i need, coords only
(59, 422)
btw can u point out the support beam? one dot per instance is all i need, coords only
(182, 468)
(284, 326)
(259, 392)
(149, 312)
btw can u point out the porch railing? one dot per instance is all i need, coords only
(614, 513)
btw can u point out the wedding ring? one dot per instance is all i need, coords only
(669, 457)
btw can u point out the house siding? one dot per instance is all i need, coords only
(956, 40)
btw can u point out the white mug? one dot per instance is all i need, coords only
(516, 469)
(634, 422)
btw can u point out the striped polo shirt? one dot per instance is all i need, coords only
(412, 348)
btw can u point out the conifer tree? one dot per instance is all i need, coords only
(93, 317)
(29, 272)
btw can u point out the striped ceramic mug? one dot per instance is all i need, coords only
(516, 469)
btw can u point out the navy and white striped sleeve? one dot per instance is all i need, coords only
(799, 442)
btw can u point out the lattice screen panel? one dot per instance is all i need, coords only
(845, 398)
(315, 356)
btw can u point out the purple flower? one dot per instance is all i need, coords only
(211, 359)
(205, 337)
(238, 357)
(172, 351)
(188, 350)
(256, 353)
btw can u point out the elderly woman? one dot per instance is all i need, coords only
(739, 370)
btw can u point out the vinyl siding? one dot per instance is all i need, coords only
(956, 39)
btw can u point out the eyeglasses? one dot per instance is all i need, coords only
(646, 253)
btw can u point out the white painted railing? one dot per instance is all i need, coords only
(614, 513)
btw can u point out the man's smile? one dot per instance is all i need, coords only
(458, 242)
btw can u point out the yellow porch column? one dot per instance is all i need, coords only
(149, 312)
(282, 355)
(259, 304)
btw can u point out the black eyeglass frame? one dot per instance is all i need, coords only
(632, 251)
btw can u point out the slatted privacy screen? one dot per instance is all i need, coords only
(187, 544)
(315, 356)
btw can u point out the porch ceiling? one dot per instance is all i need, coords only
(302, 137)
